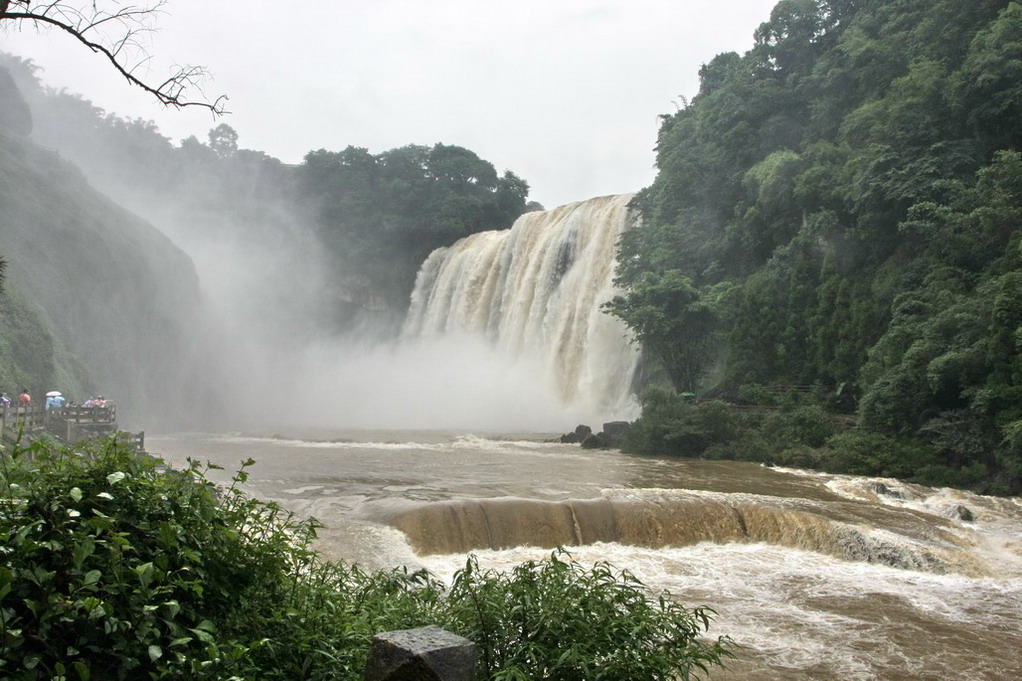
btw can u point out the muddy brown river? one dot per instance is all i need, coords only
(813, 576)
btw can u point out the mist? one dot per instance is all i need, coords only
(276, 333)
(275, 365)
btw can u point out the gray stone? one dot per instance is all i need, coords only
(614, 432)
(581, 433)
(615, 429)
(424, 654)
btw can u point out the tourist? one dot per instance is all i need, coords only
(24, 399)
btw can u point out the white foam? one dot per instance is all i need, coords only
(798, 610)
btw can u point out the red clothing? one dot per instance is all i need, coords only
(24, 399)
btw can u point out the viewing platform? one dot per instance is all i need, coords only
(71, 424)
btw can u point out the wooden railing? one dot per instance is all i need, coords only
(71, 424)
(76, 414)
(29, 418)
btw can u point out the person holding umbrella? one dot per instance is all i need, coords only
(55, 400)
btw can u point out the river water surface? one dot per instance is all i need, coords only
(813, 576)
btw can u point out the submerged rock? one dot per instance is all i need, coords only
(883, 490)
(959, 512)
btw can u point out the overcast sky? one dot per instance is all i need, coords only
(564, 93)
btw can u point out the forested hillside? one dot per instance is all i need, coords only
(95, 300)
(835, 227)
(364, 221)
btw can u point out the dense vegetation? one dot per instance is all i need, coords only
(381, 215)
(835, 224)
(112, 567)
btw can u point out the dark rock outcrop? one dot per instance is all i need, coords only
(611, 436)
(578, 435)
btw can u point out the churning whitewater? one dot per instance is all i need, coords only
(816, 577)
(535, 292)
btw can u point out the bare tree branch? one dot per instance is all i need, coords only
(115, 34)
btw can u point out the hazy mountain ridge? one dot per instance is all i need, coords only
(113, 289)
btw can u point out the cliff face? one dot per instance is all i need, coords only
(112, 289)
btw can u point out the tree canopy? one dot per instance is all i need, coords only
(382, 214)
(852, 182)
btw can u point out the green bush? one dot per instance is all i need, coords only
(750, 446)
(672, 425)
(809, 425)
(113, 567)
(799, 456)
(558, 621)
(862, 452)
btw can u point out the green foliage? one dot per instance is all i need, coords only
(381, 215)
(861, 452)
(30, 354)
(556, 620)
(809, 425)
(673, 425)
(113, 567)
(853, 182)
(672, 321)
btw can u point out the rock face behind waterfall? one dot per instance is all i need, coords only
(535, 292)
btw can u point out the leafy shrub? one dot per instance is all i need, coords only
(674, 426)
(750, 446)
(862, 452)
(558, 621)
(799, 456)
(112, 567)
(754, 393)
(809, 425)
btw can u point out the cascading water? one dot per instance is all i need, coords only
(534, 291)
(817, 577)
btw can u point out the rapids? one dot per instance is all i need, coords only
(814, 576)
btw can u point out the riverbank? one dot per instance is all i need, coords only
(800, 433)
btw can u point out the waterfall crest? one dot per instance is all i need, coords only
(534, 292)
(672, 518)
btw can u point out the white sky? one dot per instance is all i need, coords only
(564, 93)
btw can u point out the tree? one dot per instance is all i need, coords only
(989, 86)
(113, 31)
(672, 321)
(223, 140)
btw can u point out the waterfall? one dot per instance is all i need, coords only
(534, 292)
(672, 518)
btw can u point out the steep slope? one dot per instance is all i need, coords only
(836, 222)
(117, 292)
